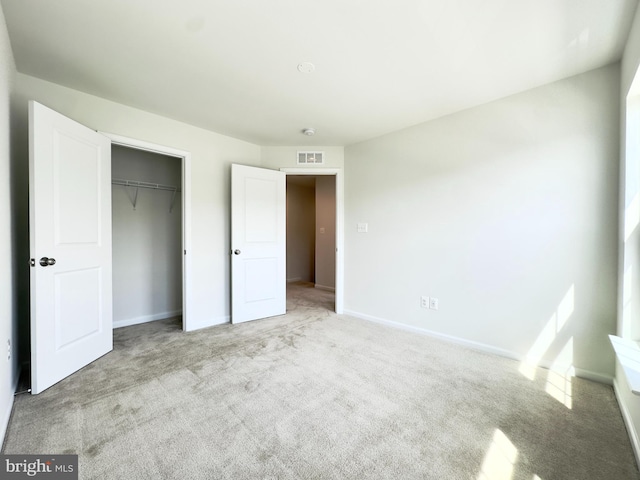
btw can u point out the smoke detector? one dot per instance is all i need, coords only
(309, 132)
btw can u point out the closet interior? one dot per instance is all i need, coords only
(147, 236)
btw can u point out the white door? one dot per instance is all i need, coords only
(258, 243)
(70, 243)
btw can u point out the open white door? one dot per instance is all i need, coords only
(258, 243)
(70, 242)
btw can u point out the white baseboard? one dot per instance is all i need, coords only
(193, 324)
(482, 347)
(628, 421)
(324, 287)
(449, 338)
(593, 376)
(145, 318)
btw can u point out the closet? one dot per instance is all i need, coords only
(147, 236)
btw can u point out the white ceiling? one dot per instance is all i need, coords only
(231, 65)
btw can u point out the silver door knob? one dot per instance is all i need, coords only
(237, 252)
(46, 261)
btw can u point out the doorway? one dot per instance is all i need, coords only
(311, 233)
(146, 236)
(173, 297)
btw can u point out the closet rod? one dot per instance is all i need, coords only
(155, 186)
(135, 183)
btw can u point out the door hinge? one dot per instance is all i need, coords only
(32, 262)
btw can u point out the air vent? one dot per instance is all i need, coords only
(310, 158)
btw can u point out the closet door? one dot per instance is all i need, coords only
(70, 243)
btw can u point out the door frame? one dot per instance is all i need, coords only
(337, 172)
(186, 212)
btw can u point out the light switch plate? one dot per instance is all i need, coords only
(433, 303)
(363, 227)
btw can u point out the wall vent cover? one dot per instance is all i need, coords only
(310, 158)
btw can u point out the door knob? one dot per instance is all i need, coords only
(46, 261)
(237, 252)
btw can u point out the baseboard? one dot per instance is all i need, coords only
(145, 318)
(593, 376)
(482, 347)
(292, 280)
(193, 324)
(324, 287)
(628, 421)
(430, 333)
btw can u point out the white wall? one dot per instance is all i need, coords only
(325, 232)
(8, 252)
(506, 213)
(211, 156)
(300, 231)
(147, 240)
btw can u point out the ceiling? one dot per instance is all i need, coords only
(231, 65)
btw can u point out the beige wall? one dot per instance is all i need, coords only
(301, 205)
(325, 232)
(311, 229)
(506, 213)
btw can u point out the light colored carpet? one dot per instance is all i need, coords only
(313, 395)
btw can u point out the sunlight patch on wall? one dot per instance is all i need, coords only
(561, 375)
(566, 308)
(631, 217)
(627, 296)
(500, 459)
(548, 334)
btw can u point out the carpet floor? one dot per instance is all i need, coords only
(315, 395)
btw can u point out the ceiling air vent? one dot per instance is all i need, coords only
(310, 158)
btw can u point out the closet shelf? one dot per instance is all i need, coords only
(154, 186)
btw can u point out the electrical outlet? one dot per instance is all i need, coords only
(433, 303)
(424, 302)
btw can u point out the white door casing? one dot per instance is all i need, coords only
(258, 243)
(70, 223)
(190, 321)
